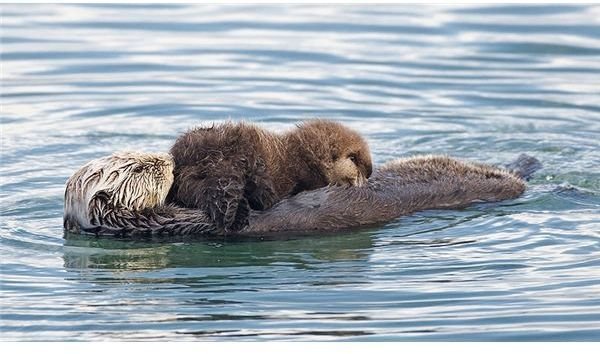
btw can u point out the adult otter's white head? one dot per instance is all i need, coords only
(122, 182)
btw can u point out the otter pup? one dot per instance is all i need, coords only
(228, 169)
(124, 194)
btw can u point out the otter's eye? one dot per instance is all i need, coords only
(353, 158)
(138, 169)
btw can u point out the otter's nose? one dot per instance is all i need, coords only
(367, 171)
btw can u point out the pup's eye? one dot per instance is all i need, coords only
(353, 157)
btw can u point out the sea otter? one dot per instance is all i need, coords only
(123, 195)
(228, 169)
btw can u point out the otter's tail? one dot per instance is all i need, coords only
(524, 166)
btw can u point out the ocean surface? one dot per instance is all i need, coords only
(483, 83)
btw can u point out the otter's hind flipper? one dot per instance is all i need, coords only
(524, 166)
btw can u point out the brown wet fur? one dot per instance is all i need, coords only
(229, 169)
(397, 188)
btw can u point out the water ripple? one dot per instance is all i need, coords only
(484, 83)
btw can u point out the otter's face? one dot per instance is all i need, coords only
(342, 155)
(352, 167)
(350, 162)
(123, 181)
(146, 180)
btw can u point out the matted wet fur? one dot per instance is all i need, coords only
(397, 188)
(229, 169)
(124, 194)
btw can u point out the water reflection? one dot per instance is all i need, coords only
(108, 253)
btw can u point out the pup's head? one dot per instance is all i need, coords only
(342, 154)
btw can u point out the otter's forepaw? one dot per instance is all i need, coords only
(229, 215)
(241, 217)
(228, 207)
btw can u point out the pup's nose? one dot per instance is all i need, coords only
(365, 170)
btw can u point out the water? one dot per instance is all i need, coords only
(478, 82)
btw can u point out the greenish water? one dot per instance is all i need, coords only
(484, 83)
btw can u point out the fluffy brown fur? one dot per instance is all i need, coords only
(228, 169)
